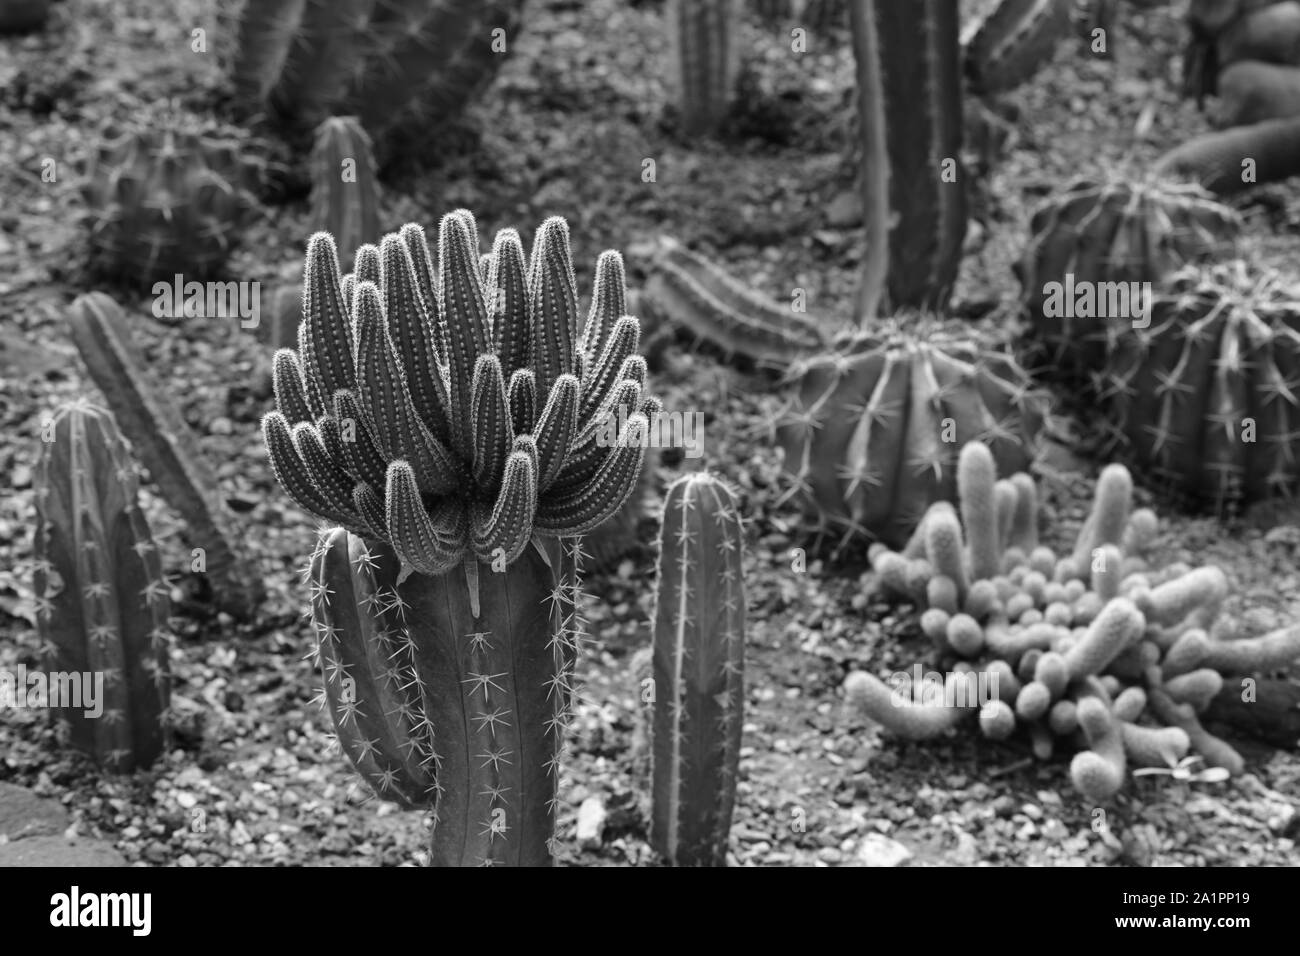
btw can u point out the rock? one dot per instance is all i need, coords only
(878, 850)
(56, 851)
(591, 822)
(845, 210)
(23, 814)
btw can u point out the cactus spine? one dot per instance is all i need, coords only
(455, 422)
(705, 37)
(699, 646)
(101, 599)
(167, 447)
(344, 190)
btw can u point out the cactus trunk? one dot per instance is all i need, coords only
(705, 34)
(101, 599)
(699, 646)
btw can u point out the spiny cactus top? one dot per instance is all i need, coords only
(460, 410)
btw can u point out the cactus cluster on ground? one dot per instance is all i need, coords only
(698, 671)
(101, 601)
(168, 194)
(1068, 648)
(872, 435)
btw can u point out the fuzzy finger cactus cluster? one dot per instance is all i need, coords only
(698, 671)
(344, 186)
(101, 600)
(1091, 248)
(871, 438)
(1206, 400)
(390, 62)
(1073, 647)
(167, 194)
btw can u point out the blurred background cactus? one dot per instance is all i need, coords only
(344, 186)
(22, 16)
(698, 671)
(102, 602)
(705, 40)
(168, 193)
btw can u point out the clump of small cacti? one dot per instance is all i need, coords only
(168, 195)
(1013, 41)
(389, 63)
(1089, 641)
(698, 671)
(101, 600)
(168, 448)
(1204, 399)
(872, 436)
(1093, 245)
(344, 186)
(455, 418)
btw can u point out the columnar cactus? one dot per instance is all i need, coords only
(1233, 160)
(699, 647)
(167, 447)
(387, 61)
(1205, 399)
(167, 195)
(872, 437)
(1094, 239)
(1013, 41)
(705, 39)
(344, 187)
(101, 600)
(910, 122)
(458, 422)
(701, 300)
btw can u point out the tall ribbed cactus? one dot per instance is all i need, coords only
(344, 186)
(1014, 41)
(457, 420)
(167, 447)
(1207, 400)
(705, 38)
(387, 61)
(101, 599)
(872, 436)
(699, 659)
(168, 195)
(910, 121)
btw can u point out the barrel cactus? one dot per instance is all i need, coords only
(1206, 401)
(698, 669)
(872, 436)
(168, 195)
(457, 423)
(101, 600)
(390, 62)
(1099, 238)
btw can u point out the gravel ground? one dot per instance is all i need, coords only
(253, 779)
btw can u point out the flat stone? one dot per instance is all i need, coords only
(23, 814)
(57, 851)
(879, 850)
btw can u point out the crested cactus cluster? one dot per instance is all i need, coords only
(705, 41)
(1013, 41)
(344, 186)
(101, 600)
(871, 438)
(1091, 236)
(1206, 400)
(1074, 647)
(167, 195)
(463, 430)
(165, 445)
(387, 61)
(458, 410)
(698, 671)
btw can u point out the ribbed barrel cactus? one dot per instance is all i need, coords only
(872, 436)
(1207, 400)
(459, 422)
